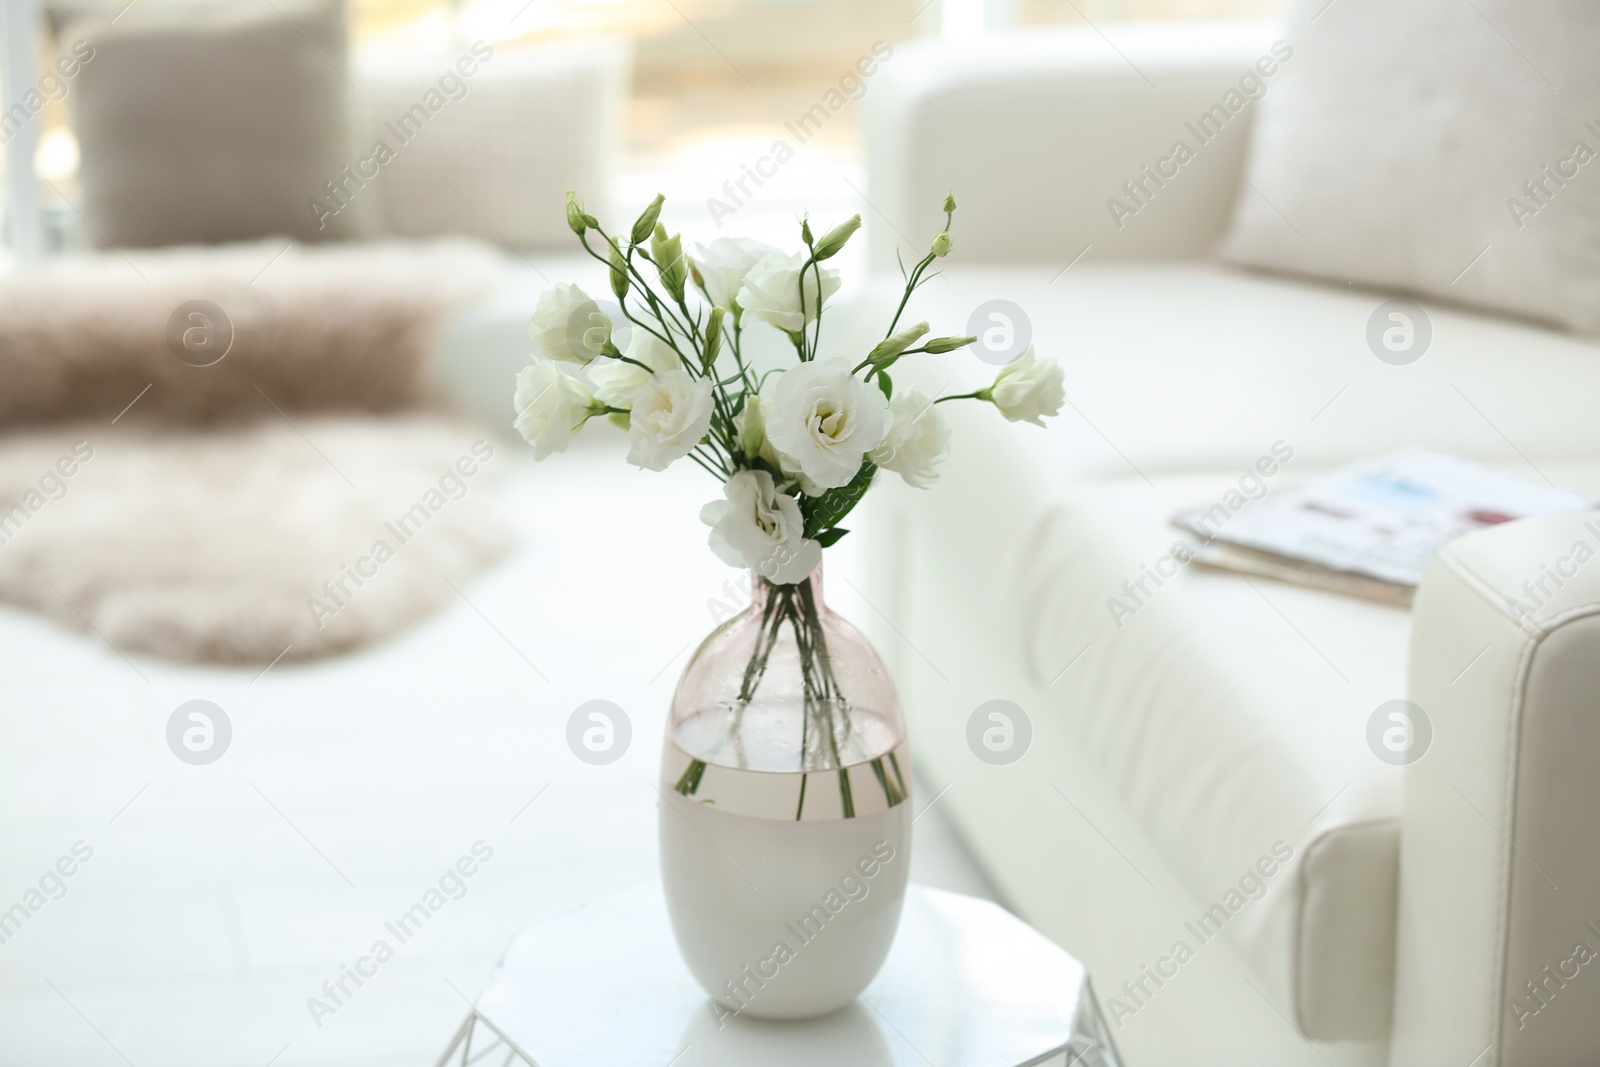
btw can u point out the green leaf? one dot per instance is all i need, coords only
(823, 512)
(886, 385)
(828, 537)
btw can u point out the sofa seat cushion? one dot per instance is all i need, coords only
(1232, 715)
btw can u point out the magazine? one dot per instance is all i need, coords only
(1370, 529)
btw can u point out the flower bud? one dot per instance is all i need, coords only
(835, 239)
(941, 245)
(750, 425)
(577, 221)
(713, 337)
(949, 203)
(619, 269)
(889, 349)
(805, 231)
(670, 264)
(948, 344)
(645, 225)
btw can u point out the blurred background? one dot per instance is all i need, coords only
(706, 89)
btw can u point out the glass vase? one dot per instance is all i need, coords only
(785, 818)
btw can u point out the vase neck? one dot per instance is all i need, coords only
(762, 590)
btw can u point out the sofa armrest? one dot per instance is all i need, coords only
(1036, 131)
(1498, 959)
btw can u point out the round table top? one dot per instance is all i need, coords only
(966, 984)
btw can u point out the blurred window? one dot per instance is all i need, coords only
(724, 69)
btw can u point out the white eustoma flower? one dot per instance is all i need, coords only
(771, 290)
(821, 420)
(671, 413)
(918, 441)
(617, 382)
(551, 406)
(724, 263)
(568, 326)
(759, 527)
(1027, 389)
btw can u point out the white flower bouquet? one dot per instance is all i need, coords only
(794, 447)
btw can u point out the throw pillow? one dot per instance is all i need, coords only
(204, 123)
(1447, 149)
(486, 140)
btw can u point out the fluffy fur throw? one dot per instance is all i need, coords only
(205, 524)
(330, 328)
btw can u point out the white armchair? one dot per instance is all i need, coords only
(1174, 749)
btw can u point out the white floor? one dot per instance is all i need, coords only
(218, 899)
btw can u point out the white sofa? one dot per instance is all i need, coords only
(1174, 750)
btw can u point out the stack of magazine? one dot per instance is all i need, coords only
(1371, 529)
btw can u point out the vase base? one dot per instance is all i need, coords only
(780, 919)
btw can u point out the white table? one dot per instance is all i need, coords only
(967, 984)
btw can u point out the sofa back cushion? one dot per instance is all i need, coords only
(1450, 150)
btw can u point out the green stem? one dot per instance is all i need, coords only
(816, 665)
(657, 309)
(707, 466)
(738, 357)
(916, 279)
(689, 782)
(816, 336)
(766, 637)
(911, 286)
